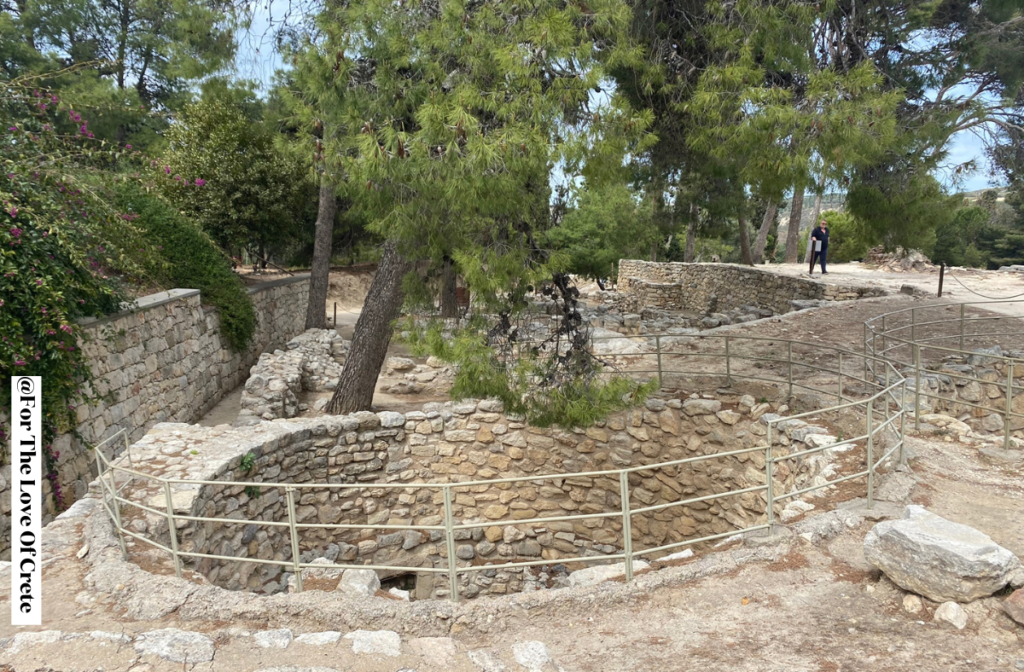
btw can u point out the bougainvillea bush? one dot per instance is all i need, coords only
(65, 252)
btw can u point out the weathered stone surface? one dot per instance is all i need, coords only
(532, 655)
(400, 364)
(319, 638)
(376, 642)
(952, 613)
(177, 646)
(912, 603)
(1014, 605)
(359, 582)
(391, 419)
(939, 559)
(273, 639)
(28, 640)
(486, 661)
(701, 406)
(591, 576)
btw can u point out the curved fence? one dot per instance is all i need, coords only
(866, 388)
(946, 353)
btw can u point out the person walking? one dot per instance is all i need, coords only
(819, 246)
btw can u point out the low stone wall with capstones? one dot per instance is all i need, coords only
(709, 288)
(453, 443)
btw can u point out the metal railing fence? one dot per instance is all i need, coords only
(879, 402)
(909, 338)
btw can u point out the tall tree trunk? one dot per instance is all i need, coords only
(762, 233)
(814, 222)
(745, 242)
(691, 234)
(372, 336)
(449, 290)
(319, 274)
(796, 213)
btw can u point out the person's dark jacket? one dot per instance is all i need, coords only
(820, 234)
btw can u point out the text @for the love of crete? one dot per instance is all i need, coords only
(26, 507)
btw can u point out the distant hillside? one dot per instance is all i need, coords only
(975, 195)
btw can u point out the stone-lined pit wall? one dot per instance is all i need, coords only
(449, 443)
(709, 288)
(163, 361)
(979, 378)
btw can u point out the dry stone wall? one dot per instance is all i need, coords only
(164, 361)
(709, 288)
(971, 388)
(311, 361)
(470, 443)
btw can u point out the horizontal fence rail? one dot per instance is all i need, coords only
(916, 340)
(876, 397)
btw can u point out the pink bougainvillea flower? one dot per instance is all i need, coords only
(19, 362)
(167, 170)
(65, 328)
(200, 181)
(127, 146)
(13, 128)
(16, 232)
(39, 283)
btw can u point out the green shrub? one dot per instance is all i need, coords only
(193, 261)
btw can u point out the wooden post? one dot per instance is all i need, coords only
(942, 273)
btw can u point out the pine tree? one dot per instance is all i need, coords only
(447, 121)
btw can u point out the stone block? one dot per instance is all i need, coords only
(359, 582)
(939, 559)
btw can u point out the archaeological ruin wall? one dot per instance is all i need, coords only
(709, 288)
(163, 361)
(467, 442)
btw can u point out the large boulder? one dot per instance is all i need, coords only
(939, 559)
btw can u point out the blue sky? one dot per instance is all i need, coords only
(257, 60)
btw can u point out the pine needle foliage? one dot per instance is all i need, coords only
(443, 122)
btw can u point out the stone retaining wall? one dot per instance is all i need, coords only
(980, 379)
(163, 361)
(709, 288)
(454, 443)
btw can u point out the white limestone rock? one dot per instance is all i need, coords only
(273, 639)
(359, 582)
(376, 642)
(591, 576)
(952, 613)
(939, 559)
(177, 646)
